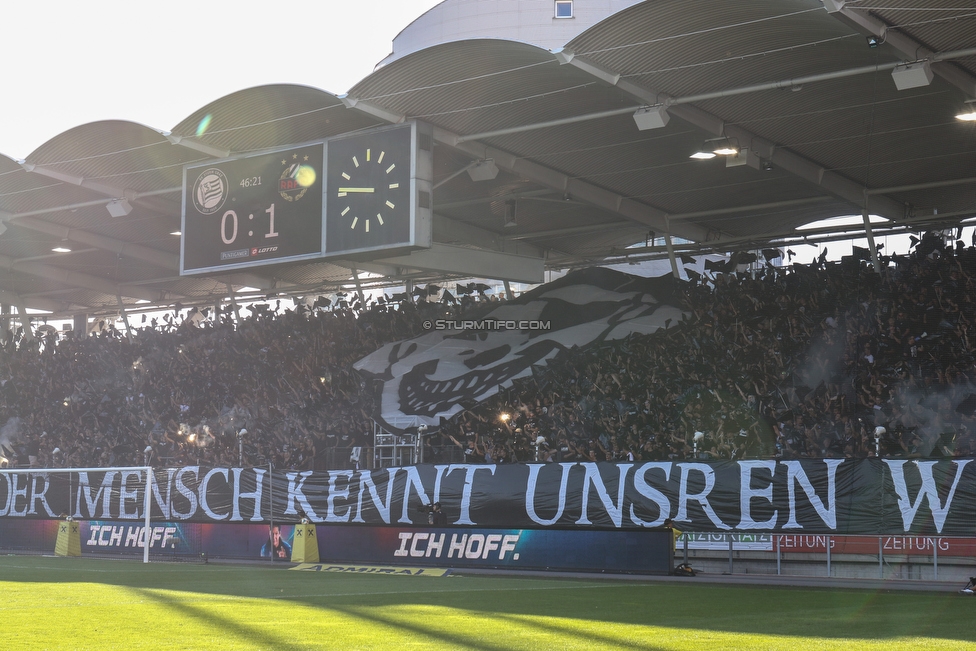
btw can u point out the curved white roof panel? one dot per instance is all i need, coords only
(828, 134)
(528, 21)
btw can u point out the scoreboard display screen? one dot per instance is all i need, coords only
(253, 210)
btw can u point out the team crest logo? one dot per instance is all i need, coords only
(210, 191)
(295, 181)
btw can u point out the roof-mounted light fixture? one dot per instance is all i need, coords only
(118, 207)
(703, 153)
(716, 147)
(63, 247)
(724, 146)
(968, 113)
(738, 159)
(912, 75)
(511, 213)
(651, 117)
(484, 170)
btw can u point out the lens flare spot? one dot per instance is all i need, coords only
(305, 176)
(204, 124)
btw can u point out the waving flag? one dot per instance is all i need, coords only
(459, 364)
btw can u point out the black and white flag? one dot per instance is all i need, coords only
(458, 364)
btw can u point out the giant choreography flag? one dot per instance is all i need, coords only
(457, 364)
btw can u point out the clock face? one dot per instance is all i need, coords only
(368, 193)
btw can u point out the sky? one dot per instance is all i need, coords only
(155, 62)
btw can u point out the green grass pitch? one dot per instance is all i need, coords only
(81, 603)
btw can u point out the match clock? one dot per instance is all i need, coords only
(370, 190)
(252, 210)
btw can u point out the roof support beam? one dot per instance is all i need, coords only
(64, 177)
(594, 195)
(196, 145)
(566, 56)
(473, 262)
(25, 321)
(579, 230)
(449, 231)
(84, 281)
(119, 247)
(532, 194)
(112, 192)
(371, 267)
(923, 186)
(575, 230)
(584, 191)
(163, 259)
(789, 161)
(251, 280)
(13, 298)
(549, 123)
(907, 46)
(130, 195)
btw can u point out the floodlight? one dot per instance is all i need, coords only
(968, 113)
(724, 147)
(703, 154)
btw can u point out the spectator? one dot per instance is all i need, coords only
(804, 361)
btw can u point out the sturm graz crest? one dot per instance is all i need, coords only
(209, 191)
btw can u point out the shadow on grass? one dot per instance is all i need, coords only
(224, 625)
(565, 632)
(817, 612)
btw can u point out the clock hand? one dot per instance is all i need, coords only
(357, 190)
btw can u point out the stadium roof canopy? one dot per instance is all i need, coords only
(795, 84)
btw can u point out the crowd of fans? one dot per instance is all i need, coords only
(821, 360)
(274, 387)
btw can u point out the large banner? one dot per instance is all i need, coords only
(829, 496)
(459, 363)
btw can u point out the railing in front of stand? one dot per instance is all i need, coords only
(344, 458)
(906, 557)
